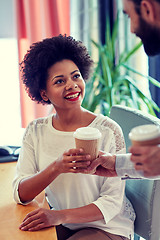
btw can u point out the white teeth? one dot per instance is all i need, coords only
(73, 96)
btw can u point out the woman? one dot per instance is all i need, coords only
(82, 206)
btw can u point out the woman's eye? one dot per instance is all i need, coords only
(59, 81)
(76, 76)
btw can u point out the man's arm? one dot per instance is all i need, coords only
(120, 165)
(125, 167)
(108, 165)
(104, 166)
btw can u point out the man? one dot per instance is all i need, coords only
(143, 161)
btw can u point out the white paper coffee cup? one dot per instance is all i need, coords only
(143, 135)
(88, 139)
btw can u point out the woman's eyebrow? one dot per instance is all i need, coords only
(58, 76)
(75, 71)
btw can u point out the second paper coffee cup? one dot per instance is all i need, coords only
(145, 135)
(88, 139)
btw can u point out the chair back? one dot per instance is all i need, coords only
(143, 194)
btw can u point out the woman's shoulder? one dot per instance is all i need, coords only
(104, 122)
(34, 125)
(40, 121)
(110, 129)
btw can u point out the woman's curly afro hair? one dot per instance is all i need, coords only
(42, 55)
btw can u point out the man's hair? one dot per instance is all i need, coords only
(42, 55)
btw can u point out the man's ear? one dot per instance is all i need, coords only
(44, 95)
(148, 10)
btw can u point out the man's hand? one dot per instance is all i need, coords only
(104, 165)
(147, 159)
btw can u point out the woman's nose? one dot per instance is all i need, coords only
(71, 85)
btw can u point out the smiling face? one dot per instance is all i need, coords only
(147, 31)
(65, 86)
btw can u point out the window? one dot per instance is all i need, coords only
(10, 120)
(84, 22)
(9, 97)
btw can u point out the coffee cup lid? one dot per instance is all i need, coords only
(144, 132)
(87, 133)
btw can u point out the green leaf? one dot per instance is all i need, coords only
(126, 56)
(152, 80)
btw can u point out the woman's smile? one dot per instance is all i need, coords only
(73, 96)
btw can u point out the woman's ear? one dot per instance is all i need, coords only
(44, 95)
(148, 10)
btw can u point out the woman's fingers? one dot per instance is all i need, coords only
(37, 220)
(74, 151)
(79, 164)
(30, 222)
(31, 214)
(32, 226)
(74, 158)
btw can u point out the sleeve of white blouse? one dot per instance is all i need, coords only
(26, 165)
(112, 188)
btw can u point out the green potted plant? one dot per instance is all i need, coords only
(112, 82)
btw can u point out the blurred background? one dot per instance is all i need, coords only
(23, 22)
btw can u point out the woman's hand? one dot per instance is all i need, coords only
(39, 219)
(72, 160)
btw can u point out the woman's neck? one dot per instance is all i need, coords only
(71, 120)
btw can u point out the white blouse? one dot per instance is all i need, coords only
(43, 144)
